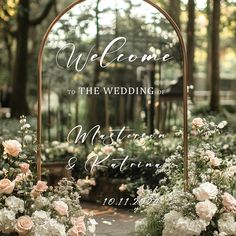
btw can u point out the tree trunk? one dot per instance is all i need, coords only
(96, 103)
(19, 104)
(191, 43)
(152, 101)
(175, 11)
(215, 74)
(209, 45)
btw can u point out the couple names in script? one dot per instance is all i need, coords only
(76, 135)
(119, 42)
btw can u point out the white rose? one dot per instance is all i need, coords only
(206, 210)
(61, 208)
(205, 191)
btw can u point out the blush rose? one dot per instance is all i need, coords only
(12, 147)
(206, 210)
(23, 225)
(61, 208)
(6, 186)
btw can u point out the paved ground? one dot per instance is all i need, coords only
(112, 221)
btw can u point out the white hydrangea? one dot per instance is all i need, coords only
(7, 220)
(227, 225)
(176, 225)
(41, 202)
(49, 228)
(40, 217)
(15, 204)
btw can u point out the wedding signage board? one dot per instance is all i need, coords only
(112, 83)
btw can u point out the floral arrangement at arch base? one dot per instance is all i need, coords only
(31, 208)
(208, 208)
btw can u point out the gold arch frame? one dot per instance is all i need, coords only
(185, 81)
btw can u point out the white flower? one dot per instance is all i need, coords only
(222, 124)
(28, 138)
(41, 202)
(25, 126)
(176, 225)
(92, 225)
(49, 228)
(15, 204)
(139, 224)
(7, 220)
(61, 208)
(40, 217)
(206, 210)
(205, 191)
(227, 225)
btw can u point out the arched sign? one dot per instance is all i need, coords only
(112, 79)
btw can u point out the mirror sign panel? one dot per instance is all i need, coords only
(106, 76)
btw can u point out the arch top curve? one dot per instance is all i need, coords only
(181, 61)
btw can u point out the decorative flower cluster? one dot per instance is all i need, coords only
(208, 207)
(32, 208)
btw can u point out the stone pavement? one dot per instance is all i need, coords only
(112, 221)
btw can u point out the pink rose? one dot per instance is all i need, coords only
(75, 231)
(78, 226)
(206, 210)
(197, 123)
(231, 171)
(35, 193)
(77, 221)
(108, 149)
(123, 187)
(229, 202)
(215, 161)
(61, 208)
(39, 188)
(24, 167)
(6, 186)
(210, 154)
(23, 225)
(12, 147)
